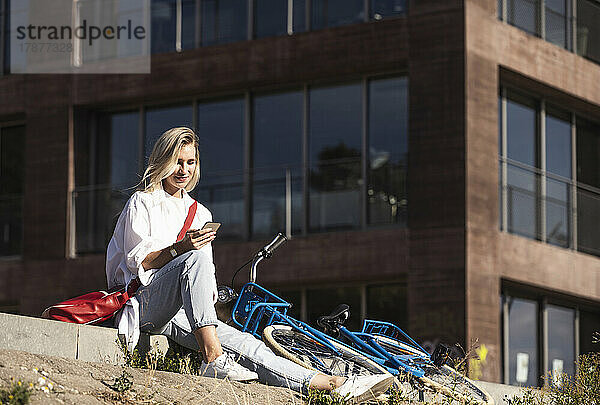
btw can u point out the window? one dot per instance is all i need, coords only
(12, 155)
(221, 187)
(381, 9)
(588, 190)
(558, 22)
(539, 336)
(589, 325)
(322, 301)
(522, 341)
(164, 16)
(541, 196)
(522, 184)
(588, 29)
(330, 13)
(108, 177)
(158, 120)
(277, 160)
(186, 24)
(335, 157)
(383, 302)
(290, 161)
(561, 340)
(388, 302)
(388, 147)
(276, 17)
(558, 191)
(524, 14)
(224, 21)
(549, 19)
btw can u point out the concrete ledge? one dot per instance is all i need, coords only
(500, 392)
(99, 344)
(72, 341)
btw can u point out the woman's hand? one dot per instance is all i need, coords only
(196, 239)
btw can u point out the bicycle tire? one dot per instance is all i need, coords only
(309, 353)
(445, 379)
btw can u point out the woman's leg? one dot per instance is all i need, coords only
(254, 355)
(186, 281)
(276, 370)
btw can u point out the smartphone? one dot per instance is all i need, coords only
(212, 225)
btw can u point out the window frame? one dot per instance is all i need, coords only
(251, 21)
(248, 138)
(507, 92)
(544, 299)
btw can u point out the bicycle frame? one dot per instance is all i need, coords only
(257, 308)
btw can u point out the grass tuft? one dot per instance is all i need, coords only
(17, 393)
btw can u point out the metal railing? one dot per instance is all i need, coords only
(276, 202)
(564, 214)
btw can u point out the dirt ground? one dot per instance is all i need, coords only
(57, 380)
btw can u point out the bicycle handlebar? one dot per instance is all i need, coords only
(266, 253)
(275, 243)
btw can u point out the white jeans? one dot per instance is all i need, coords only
(180, 295)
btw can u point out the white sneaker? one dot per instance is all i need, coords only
(362, 388)
(225, 367)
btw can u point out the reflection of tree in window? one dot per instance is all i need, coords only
(334, 156)
(388, 147)
(338, 168)
(381, 9)
(277, 151)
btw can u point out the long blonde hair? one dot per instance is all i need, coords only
(163, 159)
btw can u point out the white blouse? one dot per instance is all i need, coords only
(150, 221)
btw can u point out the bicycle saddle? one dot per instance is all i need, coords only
(331, 323)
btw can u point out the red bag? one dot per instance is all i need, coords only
(92, 308)
(98, 306)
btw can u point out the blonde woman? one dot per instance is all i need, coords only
(178, 287)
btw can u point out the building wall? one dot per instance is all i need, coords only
(499, 54)
(49, 104)
(436, 185)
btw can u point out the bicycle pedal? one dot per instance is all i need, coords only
(441, 355)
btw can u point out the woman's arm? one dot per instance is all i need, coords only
(193, 240)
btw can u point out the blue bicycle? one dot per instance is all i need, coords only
(380, 347)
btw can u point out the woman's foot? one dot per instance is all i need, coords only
(365, 387)
(225, 367)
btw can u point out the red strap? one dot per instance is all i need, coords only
(188, 221)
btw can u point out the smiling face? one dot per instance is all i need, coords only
(186, 164)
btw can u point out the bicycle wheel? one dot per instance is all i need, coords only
(443, 379)
(307, 352)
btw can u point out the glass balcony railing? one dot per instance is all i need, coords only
(95, 210)
(551, 212)
(276, 202)
(570, 24)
